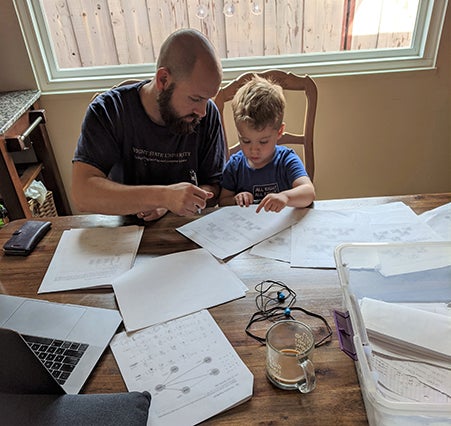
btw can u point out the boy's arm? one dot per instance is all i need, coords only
(226, 198)
(301, 195)
(302, 192)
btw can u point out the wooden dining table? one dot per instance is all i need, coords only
(337, 399)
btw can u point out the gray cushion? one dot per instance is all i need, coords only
(129, 409)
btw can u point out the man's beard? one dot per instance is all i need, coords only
(173, 122)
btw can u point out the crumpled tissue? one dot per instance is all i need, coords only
(37, 191)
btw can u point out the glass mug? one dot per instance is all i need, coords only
(289, 344)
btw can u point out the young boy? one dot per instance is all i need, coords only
(263, 172)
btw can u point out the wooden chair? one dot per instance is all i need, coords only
(122, 83)
(289, 82)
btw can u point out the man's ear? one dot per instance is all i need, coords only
(162, 78)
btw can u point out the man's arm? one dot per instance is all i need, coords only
(93, 192)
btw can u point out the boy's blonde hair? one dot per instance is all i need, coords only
(259, 103)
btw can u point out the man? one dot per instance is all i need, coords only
(145, 147)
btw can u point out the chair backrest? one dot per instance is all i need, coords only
(122, 83)
(289, 82)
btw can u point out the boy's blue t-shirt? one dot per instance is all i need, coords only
(276, 176)
(120, 139)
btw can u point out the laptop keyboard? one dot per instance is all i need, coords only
(59, 356)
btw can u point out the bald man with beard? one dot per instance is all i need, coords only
(141, 144)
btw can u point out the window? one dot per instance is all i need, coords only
(92, 44)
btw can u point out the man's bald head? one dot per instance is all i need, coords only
(183, 49)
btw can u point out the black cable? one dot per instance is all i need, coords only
(264, 298)
(271, 295)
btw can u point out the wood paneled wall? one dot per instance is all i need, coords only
(113, 32)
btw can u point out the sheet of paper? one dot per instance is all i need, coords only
(396, 212)
(413, 381)
(167, 287)
(188, 366)
(439, 219)
(279, 246)
(91, 257)
(276, 247)
(437, 308)
(230, 230)
(316, 235)
(413, 258)
(382, 349)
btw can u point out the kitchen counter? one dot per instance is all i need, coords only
(13, 104)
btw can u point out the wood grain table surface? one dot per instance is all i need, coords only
(335, 401)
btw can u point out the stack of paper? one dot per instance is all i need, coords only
(408, 331)
(411, 350)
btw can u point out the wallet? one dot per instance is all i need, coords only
(24, 240)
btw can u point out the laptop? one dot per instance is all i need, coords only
(48, 347)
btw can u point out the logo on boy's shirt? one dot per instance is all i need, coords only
(260, 191)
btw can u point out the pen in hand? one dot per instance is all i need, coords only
(193, 177)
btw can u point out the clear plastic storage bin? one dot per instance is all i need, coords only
(400, 273)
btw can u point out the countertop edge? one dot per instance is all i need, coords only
(13, 104)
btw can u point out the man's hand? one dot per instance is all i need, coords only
(152, 214)
(186, 199)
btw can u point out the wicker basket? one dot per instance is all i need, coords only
(47, 209)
